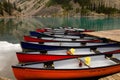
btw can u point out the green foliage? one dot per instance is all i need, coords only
(50, 3)
(67, 7)
(19, 9)
(14, 6)
(84, 12)
(106, 10)
(1, 9)
(64, 3)
(77, 10)
(8, 7)
(83, 3)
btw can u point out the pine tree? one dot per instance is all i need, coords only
(1, 8)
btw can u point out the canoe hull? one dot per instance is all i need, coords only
(22, 57)
(38, 34)
(39, 47)
(68, 31)
(32, 57)
(35, 74)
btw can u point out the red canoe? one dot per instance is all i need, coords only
(34, 39)
(36, 56)
(68, 68)
(75, 30)
(42, 30)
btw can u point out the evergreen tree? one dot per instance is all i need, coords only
(8, 7)
(1, 9)
(14, 6)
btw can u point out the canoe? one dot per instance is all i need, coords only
(36, 56)
(62, 29)
(40, 35)
(35, 39)
(75, 32)
(75, 68)
(40, 47)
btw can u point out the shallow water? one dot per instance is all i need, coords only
(8, 58)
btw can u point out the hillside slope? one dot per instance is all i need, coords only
(39, 8)
(60, 8)
(31, 7)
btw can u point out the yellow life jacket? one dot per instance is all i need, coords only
(87, 60)
(71, 51)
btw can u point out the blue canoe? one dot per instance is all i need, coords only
(39, 47)
(39, 35)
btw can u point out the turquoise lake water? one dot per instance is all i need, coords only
(13, 29)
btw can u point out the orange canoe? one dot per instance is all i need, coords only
(68, 68)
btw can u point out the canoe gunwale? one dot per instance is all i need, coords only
(101, 53)
(33, 39)
(88, 68)
(39, 35)
(63, 73)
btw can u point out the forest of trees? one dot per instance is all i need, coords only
(6, 6)
(86, 5)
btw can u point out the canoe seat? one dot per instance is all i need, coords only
(93, 49)
(65, 33)
(43, 51)
(73, 39)
(39, 36)
(52, 33)
(27, 50)
(96, 51)
(49, 65)
(108, 55)
(83, 43)
(115, 60)
(82, 36)
(41, 42)
(104, 40)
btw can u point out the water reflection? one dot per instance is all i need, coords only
(13, 29)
